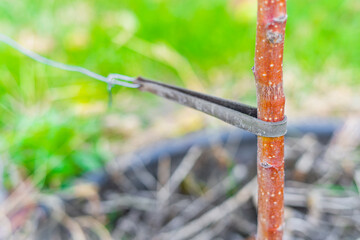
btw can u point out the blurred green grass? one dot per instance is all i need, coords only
(55, 119)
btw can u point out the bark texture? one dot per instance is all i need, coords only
(268, 73)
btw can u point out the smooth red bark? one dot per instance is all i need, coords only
(271, 102)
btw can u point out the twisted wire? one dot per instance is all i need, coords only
(111, 79)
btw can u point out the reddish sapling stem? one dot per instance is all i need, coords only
(268, 73)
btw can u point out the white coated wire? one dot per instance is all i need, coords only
(111, 79)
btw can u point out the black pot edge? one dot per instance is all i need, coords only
(322, 128)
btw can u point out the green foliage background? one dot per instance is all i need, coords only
(52, 122)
